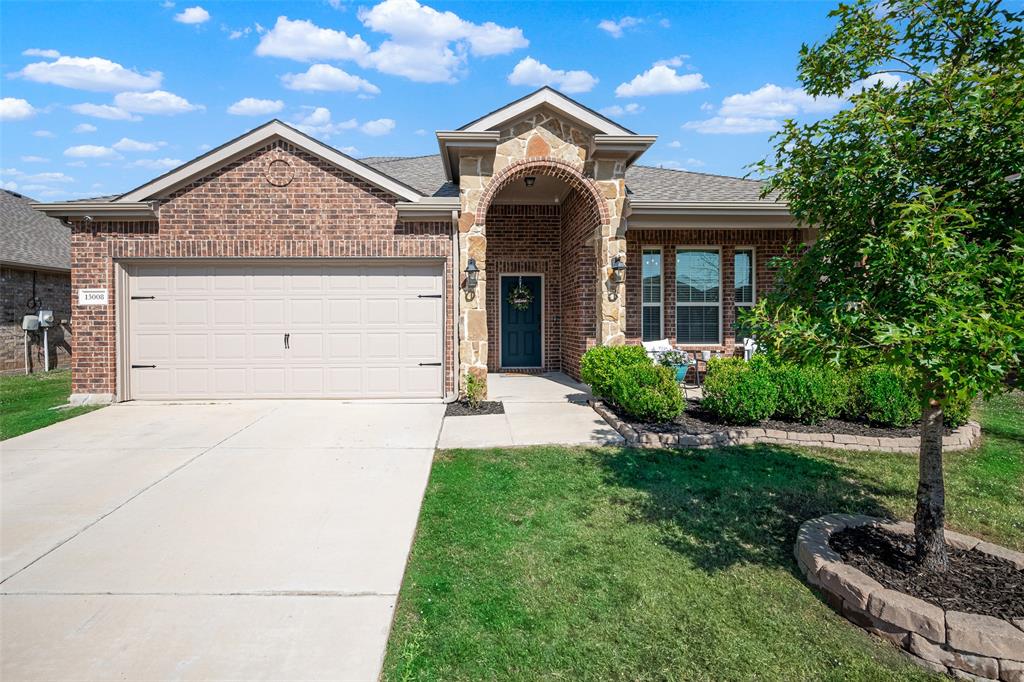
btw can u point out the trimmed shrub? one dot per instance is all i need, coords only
(647, 392)
(957, 412)
(738, 393)
(884, 396)
(599, 365)
(810, 394)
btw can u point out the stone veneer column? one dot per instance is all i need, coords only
(611, 242)
(474, 172)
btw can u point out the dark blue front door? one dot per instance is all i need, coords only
(520, 329)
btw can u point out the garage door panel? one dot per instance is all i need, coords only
(354, 330)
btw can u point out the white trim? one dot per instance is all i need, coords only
(260, 136)
(122, 327)
(543, 319)
(555, 100)
(753, 283)
(660, 305)
(698, 247)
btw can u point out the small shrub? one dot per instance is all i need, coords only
(810, 394)
(475, 388)
(647, 392)
(738, 393)
(599, 365)
(957, 411)
(884, 396)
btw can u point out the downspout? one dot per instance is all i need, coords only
(454, 395)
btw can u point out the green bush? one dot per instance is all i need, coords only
(739, 393)
(957, 412)
(599, 365)
(810, 394)
(884, 396)
(647, 392)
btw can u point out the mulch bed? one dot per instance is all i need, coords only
(696, 420)
(974, 583)
(461, 409)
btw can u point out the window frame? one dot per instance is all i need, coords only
(753, 285)
(660, 305)
(675, 281)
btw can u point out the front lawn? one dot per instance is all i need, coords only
(598, 564)
(25, 402)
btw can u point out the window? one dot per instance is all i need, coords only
(744, 276)
(651, 288)
(698, 296)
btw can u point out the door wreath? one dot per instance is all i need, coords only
(520, 297)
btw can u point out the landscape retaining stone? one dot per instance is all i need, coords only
(984, 635)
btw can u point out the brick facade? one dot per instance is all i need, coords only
(767, 244)
(246, 210)
(25, 292)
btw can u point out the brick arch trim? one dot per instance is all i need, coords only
(555, 168)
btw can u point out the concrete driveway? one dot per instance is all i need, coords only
(242, 541)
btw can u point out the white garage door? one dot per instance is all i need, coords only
(337, 330)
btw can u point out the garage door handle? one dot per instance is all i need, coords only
(430, 364)
(287, 337)
(429, 296)
(143, 298)
(143, 366)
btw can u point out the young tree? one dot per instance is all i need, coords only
(916, 194)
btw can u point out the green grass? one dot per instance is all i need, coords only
(25, 402)
(617, 564)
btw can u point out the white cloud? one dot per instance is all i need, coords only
(90, 73)
(9, 185)
(167, 4)
(126, 144)
(617, 110)
(675, 144)
(531, 72)
(378, 127)
(615, 28)
(37, 52)
(318, 123)
(662, 79)
(192, 15)
(105, 111)
(14, 109)
(156, 102)
(432, 63)
(325, 78)
(733, 125)
(43, 133)
(84, 128)
(304, 41)
(421, 131)
(35, 159)
(250, 106)
(156, 164)
(771, 100)
(49, 177)
(91, 151)
(76, 164)
(235, 34)
(351, 151)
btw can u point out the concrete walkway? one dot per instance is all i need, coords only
(539, 410)
(253, 540)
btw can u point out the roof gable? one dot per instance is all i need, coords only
(552, 99)
(258, 137)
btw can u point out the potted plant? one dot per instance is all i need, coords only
(678, 360)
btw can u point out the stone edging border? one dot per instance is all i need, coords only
(964, 645)
(962, 438)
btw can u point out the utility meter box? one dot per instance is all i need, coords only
(46, 318)
(30, 323)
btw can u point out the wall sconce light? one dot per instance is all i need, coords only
(618, 270)
(472, 274)
(529, 180)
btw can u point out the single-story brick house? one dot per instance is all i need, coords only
(35, 274)
(276, 266)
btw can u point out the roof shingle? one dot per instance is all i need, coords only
(28, 237)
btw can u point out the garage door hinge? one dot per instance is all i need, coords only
(430, 364)
(429, 296)
(143, 366)
(143, 298)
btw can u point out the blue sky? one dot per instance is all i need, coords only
(99, 97)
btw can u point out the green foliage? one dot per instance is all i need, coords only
(810, 394)
(958, 411)
(475, 390)
(916, 195)
(739, 393)
(885, 396)
(647, 392)
(599, 365)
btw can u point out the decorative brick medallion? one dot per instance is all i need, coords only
(279, 173)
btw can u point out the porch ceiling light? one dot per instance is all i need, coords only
(618, 270)
(472, 274)
(529, 180)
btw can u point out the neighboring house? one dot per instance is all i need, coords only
(276, 266)
(35, 274)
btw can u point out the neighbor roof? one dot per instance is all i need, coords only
(30, 238)
(645, 183)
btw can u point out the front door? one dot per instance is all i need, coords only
(521, 334)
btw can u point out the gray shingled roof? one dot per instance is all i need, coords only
(426, 174)
(28, 237)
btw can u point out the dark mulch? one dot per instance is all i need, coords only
(974, 583)
(696, 420)
(461, 409)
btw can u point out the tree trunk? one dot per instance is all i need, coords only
(930, 517)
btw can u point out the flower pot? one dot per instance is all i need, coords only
(681, 371)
